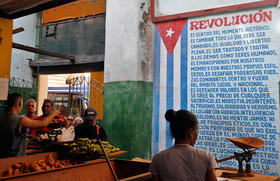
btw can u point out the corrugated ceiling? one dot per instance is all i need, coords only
(12, 9)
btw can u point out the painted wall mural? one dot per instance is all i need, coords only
(225, 69)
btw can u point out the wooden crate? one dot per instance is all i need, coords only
(90, 170)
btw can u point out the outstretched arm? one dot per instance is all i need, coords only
(30, 123)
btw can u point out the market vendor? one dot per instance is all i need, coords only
(90, 128)
(183, 161)
(47, 109)
(13, 127)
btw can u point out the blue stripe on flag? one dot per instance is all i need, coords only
(156, 80)
(184, 63)
(169, 95)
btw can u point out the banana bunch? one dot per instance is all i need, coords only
(91, 147)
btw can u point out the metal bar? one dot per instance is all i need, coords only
(64, 11)
(95, 98)
(85, 93)
(73, 13)
(93, 8)
(232, 157)
(108, 161)
(75, 92)
(54, 14)
(18, 30)
(69, 98)
(84, 9)
(99, 104)
(44, 52)
(80, 99)
(45, 18)
(88, 94)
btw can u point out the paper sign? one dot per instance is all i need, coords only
(4, 84)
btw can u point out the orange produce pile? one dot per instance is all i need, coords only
(34, 166)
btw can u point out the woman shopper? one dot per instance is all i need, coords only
(183, 161)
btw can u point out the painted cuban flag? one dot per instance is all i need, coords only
(170, 78)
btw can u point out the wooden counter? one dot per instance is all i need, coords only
(136, 169)
(257, 177)
(90, 170)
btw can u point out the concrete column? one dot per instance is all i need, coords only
(42, 92)
(128, 76)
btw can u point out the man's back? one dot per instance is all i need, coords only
(11, 140)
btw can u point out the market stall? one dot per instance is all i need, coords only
(84, 159)
(96, 169)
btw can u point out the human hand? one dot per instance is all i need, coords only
(55, 113)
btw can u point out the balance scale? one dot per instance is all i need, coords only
(248, 145)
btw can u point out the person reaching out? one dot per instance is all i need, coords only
(13, 127)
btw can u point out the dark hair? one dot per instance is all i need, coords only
(48, 100)
(12, 99)
(180, 122)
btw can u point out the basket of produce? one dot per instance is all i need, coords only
(57, 122)
(85, 149)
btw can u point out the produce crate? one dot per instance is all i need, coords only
(90, 170)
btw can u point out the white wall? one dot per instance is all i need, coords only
(42, 92)
(128, 47)
(20, 64)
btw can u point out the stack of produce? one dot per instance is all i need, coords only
(58, 122)
(34, 166)
(91, 147)
(58, 119)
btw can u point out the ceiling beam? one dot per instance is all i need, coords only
(66, 69)
(44, 52)
(18, 6)
(18, 30)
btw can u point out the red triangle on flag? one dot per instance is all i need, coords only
(170, 32)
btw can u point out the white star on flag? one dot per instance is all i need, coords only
(169, 32)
